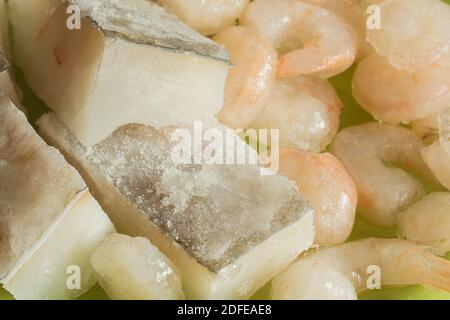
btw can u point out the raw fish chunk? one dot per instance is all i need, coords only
(48, 219)
(129, 61)
(227, 228)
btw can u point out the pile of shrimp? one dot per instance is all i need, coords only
(392, 172)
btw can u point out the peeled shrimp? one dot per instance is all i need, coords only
(310, 40)
(409, 77)
(414, 34)
(357, 14)
(437, 155)
(250, 81)
(398, 96)
(342, 271)
(427, 129)
(379, 157)
(207, 16)
(305, 110)
(324, 182)
(438, 160)
(428, 221)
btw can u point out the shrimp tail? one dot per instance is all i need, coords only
(438, 275)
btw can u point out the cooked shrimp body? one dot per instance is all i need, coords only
(427, 128)
(207, 16)
(324, 182)
(357, 14)
(342, 271)
(310, 40)
(437, 154)
(409, 77)
(438, 160)
(414, 34)
(398, 96)
(306, 110)
(249, 83)
(428, 221)
(380, 158)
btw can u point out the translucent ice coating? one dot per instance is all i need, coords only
(129, 62)
(45, 211)
(133, 269)
(227, 228)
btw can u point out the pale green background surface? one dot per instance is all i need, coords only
(352, 115)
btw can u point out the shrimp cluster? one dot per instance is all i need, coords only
(411, 66)
(283, 53)
(392, 172)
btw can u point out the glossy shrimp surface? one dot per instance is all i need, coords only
(383, 161)
(357, 13)
(324, 182)
(306, 110)
(310, 40)
(413, 34)
(428, 221)
(398, 96)
(250, 81)
(207, 16)
(342, 271)
(408, 78)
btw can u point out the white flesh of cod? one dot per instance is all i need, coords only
(131, 62)
(133, 269)
(49, 222)
(227, 229)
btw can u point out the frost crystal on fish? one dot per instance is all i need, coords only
(151, 25)
(216, 212)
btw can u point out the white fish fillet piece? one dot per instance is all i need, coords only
(227, 229)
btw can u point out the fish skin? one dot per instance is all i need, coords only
(148, 23)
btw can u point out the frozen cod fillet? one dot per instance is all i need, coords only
(48, 219)
(133, 269)
(226, 228)
(131, 62)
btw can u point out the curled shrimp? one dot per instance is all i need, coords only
(324, 182)
(356, 13)
(409, 77)
(437, 155)
(380, 158)
(342, 271)
(438, 160)
(310, 40)
(427, 221)
(306, 110)
(207, 16)
(398, 96)
(249, 83)
(427, 129)
(413, 34)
